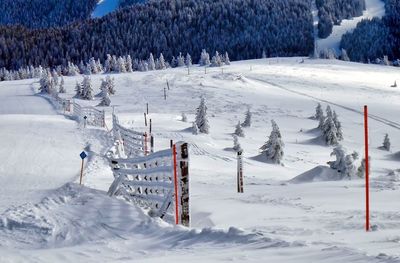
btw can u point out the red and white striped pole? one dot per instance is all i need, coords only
(366, 169)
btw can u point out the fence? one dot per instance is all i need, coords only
(133, 143)
(159, 181)
(89, 115)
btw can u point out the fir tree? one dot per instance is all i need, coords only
(180, 60)
(239, 131)
(105, 98)
(273, 148)
(247, 120)
(62, 88)
(184, 117)
(339, 131)
(227, 61)
(188, 60)
(361, 169)
(162, 62)
(129, 67)
(78, 90)
(201, 117)
(87, 89)
(329, 128)
(151, 63)
(319, 113)
(386, 143)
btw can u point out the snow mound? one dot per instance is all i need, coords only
(75, 215)
(317, 174)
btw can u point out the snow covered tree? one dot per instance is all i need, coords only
(62, 88)
(93, 66)
(339, 131)
(188, 60)
(273, 148)
(386, 143)
(107, 64)
(247, 120)
(161, 62)
(151, 63)
(78, 90)
(121, 65)
(264, 55)
(236, 144)
(195, 129)
(319, 113)
(201, 117)
(184, 117)
(204, 58)
(180, 60)
(227, 61)
(216, 60)
(344, 163)
(46, 83)
(239, 131)
(329, 128)
(105, 98)
(129, 67)
(87, 89)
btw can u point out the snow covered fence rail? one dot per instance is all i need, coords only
(134, 143)
(159, 182)
(89, 115)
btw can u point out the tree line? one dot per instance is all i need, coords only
(242, 28)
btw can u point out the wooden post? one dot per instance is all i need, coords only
(171, 143)
(151, 143)
(175, 185)
(80, 180)
(366, 168)
(188, 70)
(165, 94)
(145, 144)
(239, 172)
(145, 119)
(183, 176)
(167, 84)
(147, 108)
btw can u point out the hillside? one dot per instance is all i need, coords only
(312, 220)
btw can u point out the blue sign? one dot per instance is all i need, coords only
(83, 155)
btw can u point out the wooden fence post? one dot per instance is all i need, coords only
(239, 172)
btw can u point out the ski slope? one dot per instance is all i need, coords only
(374, 8)
(310, 219)
(104, 7)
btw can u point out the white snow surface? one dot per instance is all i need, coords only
(273, 220)
(374, 8)
(104, 7)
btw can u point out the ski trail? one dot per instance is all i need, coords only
(387, 122)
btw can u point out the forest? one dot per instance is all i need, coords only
(245, 29)
(373, 39)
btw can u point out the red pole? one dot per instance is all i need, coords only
(175, 185)
(366, 168)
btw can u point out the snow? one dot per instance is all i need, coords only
(374, 8)
(273, 219)
(104, 7)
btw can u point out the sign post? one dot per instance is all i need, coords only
(83, 155)
(366, 169)
(84, 121)
(239, 172)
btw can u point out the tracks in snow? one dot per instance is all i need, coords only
(387, 122)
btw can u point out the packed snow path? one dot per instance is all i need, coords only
(39, 149)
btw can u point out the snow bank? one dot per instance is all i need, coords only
(317, 174)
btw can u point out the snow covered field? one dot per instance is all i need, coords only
(273, 220)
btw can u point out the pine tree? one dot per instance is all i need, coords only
(151, 63)
(264, 55)
(386, 143)
(216, 60)
(227, 61)
(247, 120)
(329, 128)
(319, 113)
(188, 60)
(204, 58)
(78, 90)
(62, 88)
(129, 67)
(180, 60)
(93, 66)
(162, 62)
(87, 89)
(361, 169)
(273, 148)
(239, 131)
(345, 56)
(339, 131)
(105, 98)
(236, 144)
(121, 65)
(201, 117)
